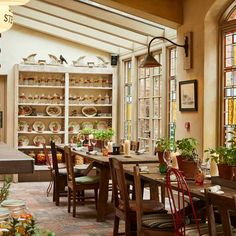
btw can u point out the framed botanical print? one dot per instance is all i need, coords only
(188, 95)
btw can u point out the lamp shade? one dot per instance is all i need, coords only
(149, 61)
(13, 2)
(6, 18)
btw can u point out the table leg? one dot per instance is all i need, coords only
(103, 193)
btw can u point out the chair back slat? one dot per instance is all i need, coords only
(119, 188)
(54, 158)
(45, 150)
(134, 146)
(224, 206)
(177, 206)
(69, 164)
(138, 195)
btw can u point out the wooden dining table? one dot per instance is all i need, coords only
(102, 163)
(154, 177)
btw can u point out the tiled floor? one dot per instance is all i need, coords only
(56, 218)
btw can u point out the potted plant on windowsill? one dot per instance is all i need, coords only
(164, 146)
(188, 160)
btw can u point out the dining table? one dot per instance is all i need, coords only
(153, 176)
(102, 163)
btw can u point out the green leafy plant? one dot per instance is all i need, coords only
(187, 148)
(4, 191)
(103, 134)
(86, 131)
(165, 144)
(220, 155)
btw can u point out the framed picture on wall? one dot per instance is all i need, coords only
(188, 95)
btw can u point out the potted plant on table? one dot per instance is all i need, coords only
(103, 136)
(164, 146)
(188, 160)
(221, 155)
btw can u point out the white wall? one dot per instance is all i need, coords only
(19, 42)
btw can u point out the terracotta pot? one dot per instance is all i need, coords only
(189, 168)
(225, 171)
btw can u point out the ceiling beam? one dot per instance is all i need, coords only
(73, 27)
(87, 21)
(165, 12)
(66, 35)
(108, 17)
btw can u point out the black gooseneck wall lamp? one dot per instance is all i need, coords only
(150, 61)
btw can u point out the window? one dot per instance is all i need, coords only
(172, 92)
(149, 105)
(127, 100)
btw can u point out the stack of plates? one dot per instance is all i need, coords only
(13, 205)
(4, 213)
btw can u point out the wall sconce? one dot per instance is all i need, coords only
(150, 61)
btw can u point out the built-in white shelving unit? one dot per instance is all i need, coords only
(49, 100)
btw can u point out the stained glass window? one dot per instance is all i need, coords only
(128, 100)
(229, 82)
(172, 91)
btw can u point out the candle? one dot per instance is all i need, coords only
(127, 148)
(213, 168)
(174, 160)
(110, 147)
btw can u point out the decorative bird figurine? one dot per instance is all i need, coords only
(54, 60)
(30, 59)
(63, 59)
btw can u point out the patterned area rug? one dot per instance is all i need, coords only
(56, 218)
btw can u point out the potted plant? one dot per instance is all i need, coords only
(163, 148)
(102, 136)
(188, 160)
(222, 156)
(40, 127)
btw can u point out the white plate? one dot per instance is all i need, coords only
(55, 124)
(102, 125)
(38, 124)
(75, 125)
(13, 203)
(89, 111)
(56, 139)
(24, 139)
(27, 110)
(87, 125)
(40, 139)
(53, 110)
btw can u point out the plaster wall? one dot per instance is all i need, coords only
(205, 64)
(19, 42)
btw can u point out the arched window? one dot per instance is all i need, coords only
(228, 75)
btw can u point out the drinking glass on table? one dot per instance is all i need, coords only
(94, 142)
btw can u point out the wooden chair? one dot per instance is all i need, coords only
(163, 224)
(125, 208)
(77, 185)
(59, 177)
(223, 206)
(134, 146)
